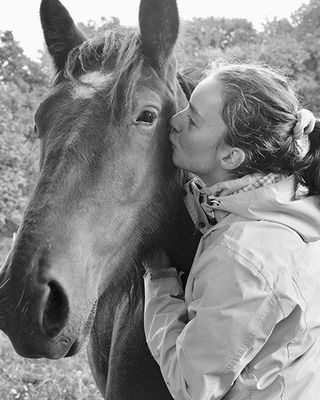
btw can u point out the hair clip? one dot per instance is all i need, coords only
(304, 126)
(305, 123)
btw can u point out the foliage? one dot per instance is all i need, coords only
(204, 37)
(18, 154)
(306, 21)
(16, 67)
(21, 84)
(92, 28)
(217, 33)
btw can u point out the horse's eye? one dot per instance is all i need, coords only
(147, 117)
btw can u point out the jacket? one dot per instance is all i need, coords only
(248, 324)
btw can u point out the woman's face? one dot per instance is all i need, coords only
(198, 131)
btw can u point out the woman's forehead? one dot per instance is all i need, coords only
(207, 98)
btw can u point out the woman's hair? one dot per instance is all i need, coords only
(260, 111)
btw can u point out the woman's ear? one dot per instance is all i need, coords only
(232, 158)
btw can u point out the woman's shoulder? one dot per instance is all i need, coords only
(267, 249)
(258, 258)
(245, 235)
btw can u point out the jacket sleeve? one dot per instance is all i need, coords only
(203, 347)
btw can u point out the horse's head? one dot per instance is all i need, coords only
(106, 184)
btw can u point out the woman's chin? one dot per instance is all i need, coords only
(176, 161)
(179, 162)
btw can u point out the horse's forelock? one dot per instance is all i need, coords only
(119, 56)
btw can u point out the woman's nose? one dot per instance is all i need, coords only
(172, 123)
(176, 121)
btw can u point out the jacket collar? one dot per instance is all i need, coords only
(275, 200)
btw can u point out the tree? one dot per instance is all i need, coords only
(21, 84)
(277, 27)
(306, 21)
(215, 33)
(92, 28)
(18, 159)
(16, 67)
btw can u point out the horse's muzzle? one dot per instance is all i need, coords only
(34, 309)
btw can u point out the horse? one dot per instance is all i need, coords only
(106, 195)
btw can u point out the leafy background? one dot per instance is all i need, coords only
(290, 44)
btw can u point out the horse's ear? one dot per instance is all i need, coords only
(159, 28)
(60, 32)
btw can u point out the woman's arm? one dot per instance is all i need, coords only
(233, 312)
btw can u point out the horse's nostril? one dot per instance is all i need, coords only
(56, 310)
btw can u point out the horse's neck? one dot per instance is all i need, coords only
(184, 238)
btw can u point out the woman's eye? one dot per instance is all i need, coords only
(147, 117)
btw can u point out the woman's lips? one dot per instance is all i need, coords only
(171, 139)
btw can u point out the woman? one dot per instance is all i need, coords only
(247, 325)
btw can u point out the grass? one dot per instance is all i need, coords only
(26, 379)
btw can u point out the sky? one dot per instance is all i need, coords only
(22, 16)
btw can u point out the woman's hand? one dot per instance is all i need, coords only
(156, 258)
